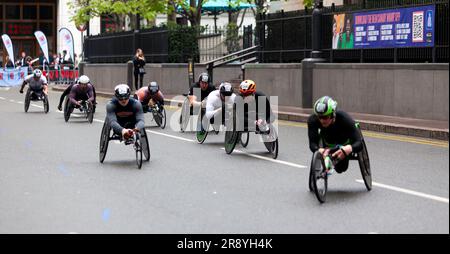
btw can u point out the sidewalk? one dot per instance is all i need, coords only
(379, 123)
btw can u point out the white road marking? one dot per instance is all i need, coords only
(2, 98)
(37, 106)
(269, 159)
(171, 136)
(12, 100)
(410, 192)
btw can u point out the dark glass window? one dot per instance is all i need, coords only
(46, 28)
(12, 11)
(29, 12)
(1, 28)
(1, 11)
(45, 12)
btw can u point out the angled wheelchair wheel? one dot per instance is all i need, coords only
(66, 109)
(318, 177)
(163, 118)
(185, 114)
(202, 133)
(231, 139)
(272, 147)
(46, 103)
(104, 141)
(27, 100)
(90, 112)
(364, 165)
(138, 150)
(244, 138)
(145, 145)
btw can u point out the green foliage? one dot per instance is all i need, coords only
(183, 43)
(84, 10)
(232, 38)
(308, 3)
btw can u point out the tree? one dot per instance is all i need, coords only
(192, 10)
(85, 10)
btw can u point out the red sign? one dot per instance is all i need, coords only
(81, 27)
(20, 29)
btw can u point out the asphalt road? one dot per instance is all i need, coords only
(51, 181)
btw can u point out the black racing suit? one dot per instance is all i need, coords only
(67, 91)
(342, 132)
(203, 93)
(77, 93)
(129, 116)
(254, 105)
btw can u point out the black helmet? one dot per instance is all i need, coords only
(204, 77)
(122, 92)
(226, 89)
(153, 87)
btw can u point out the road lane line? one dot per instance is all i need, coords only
(2, 98)
(12, 100)
(410, 192)
(269, 159)
(171, 136)
(37, 106)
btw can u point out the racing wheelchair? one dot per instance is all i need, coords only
(87, 108)
(32, 95)
(139, 141)
(318, 176)
(240, 132)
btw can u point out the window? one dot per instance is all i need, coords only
(1, 11)
(46, 12)
(12, 12)
(29, 12)
(46, 28)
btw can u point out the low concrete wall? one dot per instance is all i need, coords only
(106, 76)
(404, 90)
(282, 80)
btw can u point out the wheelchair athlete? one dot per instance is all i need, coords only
(124, 114)
(336, 129)
(251, 97)
(37, 83)
(216, 103)
(82, 91)
(205, 89)
(149, 96)
(69, 89)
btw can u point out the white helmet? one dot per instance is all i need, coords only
(83, 80)
(37, 73)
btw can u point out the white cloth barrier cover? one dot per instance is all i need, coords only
(13, 76)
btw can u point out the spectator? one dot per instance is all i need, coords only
(139, 71)
(22, 60)
(9, 63)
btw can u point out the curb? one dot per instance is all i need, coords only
(382, 127)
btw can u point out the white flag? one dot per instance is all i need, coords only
(67, 37)
(40, 36)
(9, 46)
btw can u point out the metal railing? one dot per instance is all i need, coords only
(286, 37)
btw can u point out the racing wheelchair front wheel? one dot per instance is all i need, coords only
(318, 178)
(104, 141)
(27, 100)
(46, 103)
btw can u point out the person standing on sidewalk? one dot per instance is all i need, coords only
(139, 71)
